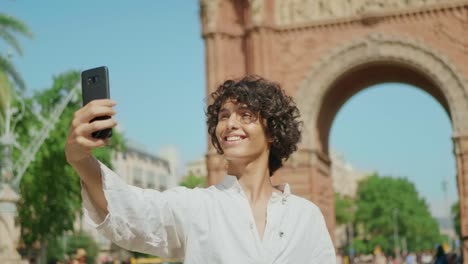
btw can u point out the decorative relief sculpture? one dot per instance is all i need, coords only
(257, 10)
(209, 10)
(303, 11)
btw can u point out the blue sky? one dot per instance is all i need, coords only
(155, 56)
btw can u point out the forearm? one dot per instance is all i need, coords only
(134, 218)
(90, 174)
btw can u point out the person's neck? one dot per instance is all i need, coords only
(254, 178)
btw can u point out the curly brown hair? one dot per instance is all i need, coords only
(270, 102)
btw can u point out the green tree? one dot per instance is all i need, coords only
(10, 27)
(386, 203)
(456, 218)
(56, 249)
(50, 188)
(344, 209)
(191, 181)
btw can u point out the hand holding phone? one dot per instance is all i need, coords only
(95, 85)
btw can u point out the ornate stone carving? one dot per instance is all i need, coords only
(209, 13)
(302, 11)
(375, 48)
(257, 11)
(8, 237)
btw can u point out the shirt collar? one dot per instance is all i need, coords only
(231, 183)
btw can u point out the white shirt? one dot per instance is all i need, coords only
(211, 225)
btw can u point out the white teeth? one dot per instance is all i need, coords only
(234, 138)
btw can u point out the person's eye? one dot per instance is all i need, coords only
(247, 116)
(223, 116)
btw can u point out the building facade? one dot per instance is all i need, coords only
(139, 167)
(196, 168)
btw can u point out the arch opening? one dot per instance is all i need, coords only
(363, 76)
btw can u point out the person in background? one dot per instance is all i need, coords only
(440, 256)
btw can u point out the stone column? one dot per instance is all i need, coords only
(8, 234)
(461, 156)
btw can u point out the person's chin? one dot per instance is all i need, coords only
(235, 155)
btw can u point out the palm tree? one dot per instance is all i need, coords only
(5, 97)
(9, 28)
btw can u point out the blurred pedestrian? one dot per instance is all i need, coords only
(440, 257)
(80, 256)
(426, 257)
(380, 258)
(411, 258)
(339, 257)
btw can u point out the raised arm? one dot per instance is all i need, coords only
(80, 143)
(137, 219)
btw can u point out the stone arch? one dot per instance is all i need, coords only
(403, 59)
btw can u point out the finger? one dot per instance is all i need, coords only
(102, 102)
(88, 142)
(81, 113)
(87, 129)
(91, 112)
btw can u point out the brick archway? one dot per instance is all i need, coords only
(375, 59)
(371, 60)
(323, 52)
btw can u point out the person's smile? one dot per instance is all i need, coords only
(233, 139)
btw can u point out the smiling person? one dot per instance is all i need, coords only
(243, 219)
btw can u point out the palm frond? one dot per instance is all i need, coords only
(7, 67)
(8, 22)
(5, 97)
(11, 40)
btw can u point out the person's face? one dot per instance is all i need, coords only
(241, 133)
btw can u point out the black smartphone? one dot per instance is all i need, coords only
(95, 85)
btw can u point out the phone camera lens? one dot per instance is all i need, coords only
(93, 79)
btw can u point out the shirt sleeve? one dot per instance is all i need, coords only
(142, 220)
(323, 251)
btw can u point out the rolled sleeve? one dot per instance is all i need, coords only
(141, 220)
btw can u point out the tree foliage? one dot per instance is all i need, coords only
(385, 204)
(344, 209)
(456, 218)
(50, 188)
(192, 181)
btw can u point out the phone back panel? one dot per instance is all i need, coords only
(95, 84)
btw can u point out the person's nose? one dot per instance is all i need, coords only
(233, 121)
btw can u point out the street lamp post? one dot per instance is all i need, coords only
(8, 197)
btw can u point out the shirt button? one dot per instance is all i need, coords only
(283, 201)
(251, 226)
(281, 233)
